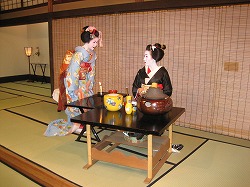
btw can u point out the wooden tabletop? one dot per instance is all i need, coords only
(135, 122)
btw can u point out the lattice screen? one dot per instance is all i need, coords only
(207, 56)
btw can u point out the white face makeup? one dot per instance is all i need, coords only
(93, 43)
(147, 58)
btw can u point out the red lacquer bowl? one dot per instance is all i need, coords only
(154, 106)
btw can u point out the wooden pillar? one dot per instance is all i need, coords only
(50, 5)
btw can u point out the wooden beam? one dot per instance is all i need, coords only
(32, 170)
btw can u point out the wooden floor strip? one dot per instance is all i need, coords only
(33, 171)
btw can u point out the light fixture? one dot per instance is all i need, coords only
(28, 52)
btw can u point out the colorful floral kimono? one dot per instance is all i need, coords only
(78, 82)
(159, 75)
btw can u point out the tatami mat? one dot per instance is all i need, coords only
(37, 91)
(16, 102)
(206, 159)
(4, 95)
(42, 111)
(213, 136)
(214, 164)
(11, 178)
(32, 88)
(36, 84)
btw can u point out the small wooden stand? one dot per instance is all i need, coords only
(103, 151)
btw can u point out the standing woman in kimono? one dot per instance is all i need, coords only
(78, 81)
(151, 72)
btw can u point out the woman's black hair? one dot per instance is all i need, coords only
(87, 36)
(156, 51)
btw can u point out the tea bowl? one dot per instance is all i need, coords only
(113, 101)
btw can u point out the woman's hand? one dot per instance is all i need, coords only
(142, 90)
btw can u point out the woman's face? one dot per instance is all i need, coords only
(147, 58)
(93, 43)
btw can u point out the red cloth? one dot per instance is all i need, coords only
(149, 70)
(86, 66)
(160, 86)
(62, 93)
(62, 90)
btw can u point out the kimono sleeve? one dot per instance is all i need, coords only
(137, 82)
(167, 86)
(72, 77)
(91, 75)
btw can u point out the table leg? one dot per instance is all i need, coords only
(89, 147)
(170, 135)
(150, 159)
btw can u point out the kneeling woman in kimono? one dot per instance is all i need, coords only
(151, 72)
(78, 80)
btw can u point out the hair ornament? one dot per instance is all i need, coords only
(153, 47)
(100, 39)
(91, 29)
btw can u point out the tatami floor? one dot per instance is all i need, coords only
(26, 108)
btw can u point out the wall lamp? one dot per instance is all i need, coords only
(37, 51)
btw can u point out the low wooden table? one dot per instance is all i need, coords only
(152, 126)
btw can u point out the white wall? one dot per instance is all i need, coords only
(12, 42)
(38, 37)
(13, 60)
